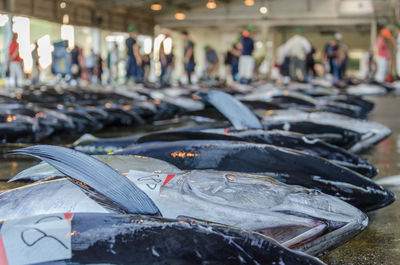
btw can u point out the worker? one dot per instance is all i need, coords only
(134, 60)
(298, 47)
(383, 54)
(15, 63)
(246, 59)
(188, 56)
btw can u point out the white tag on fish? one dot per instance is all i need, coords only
(36, 239)
(149, 182)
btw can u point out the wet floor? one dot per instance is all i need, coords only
(378, 244)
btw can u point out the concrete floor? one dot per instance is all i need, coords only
(380, 242)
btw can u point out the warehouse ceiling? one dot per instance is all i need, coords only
(118, 14)
(279, 12)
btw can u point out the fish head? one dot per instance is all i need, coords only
(297, 217)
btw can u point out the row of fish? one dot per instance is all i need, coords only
(277, 181)
(33, 114)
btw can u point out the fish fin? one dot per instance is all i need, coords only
(96, 175)
(86, 138)
(235, 111)
(31, 174)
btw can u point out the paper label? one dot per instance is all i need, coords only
(149, 182)
(36, 239)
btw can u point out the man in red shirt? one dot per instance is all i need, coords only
(15, 64)
(383, 44)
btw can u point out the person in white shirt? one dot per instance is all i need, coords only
(298, 47)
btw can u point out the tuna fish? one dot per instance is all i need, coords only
(296, 217)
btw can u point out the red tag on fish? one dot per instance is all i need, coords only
(3, 255)
(168, 179)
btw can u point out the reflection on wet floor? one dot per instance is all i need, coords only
(378, 244)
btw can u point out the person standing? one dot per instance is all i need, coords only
(398, 51)
(188, 56)
(167, 61)
(298, 47)
(113, 60)
(15, 63)
(382, 45)
(310, 63)
(246, 60)
(76, 69)
(90, 63)
(134, 62)
(211, 62)
(330, 58)
(98, 69)
(341, 57)
(35, 74)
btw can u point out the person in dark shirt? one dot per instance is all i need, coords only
(212, 62)
(330, 58)
(246, 60)
(134, 62)
(76, 69)
(188, 56)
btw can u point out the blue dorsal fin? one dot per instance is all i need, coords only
(235, 111)
(95, 174)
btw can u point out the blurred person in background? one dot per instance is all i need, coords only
(310, 63)
(398, 50)
(342, 56)
(231, 62)
(330, 58)
(146, 67)
(283, 61)
(246, 59)
(98, 69)
(90, 63)
(15, 63)
(76, 69)
(112, 62)
(167, 61)
(35, 74)
(134, 60)
(298, 47)
(212, 62)
(383, 54)
(188, 56)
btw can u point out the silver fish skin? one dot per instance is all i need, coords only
(299, 218)
(372, 132)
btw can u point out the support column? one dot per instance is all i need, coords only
(96, 40)
(373, 34)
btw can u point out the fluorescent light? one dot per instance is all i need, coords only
(66, 19)
(180, 16)
(211, 4)
(249, 2)
(263, 10)
(156, 7)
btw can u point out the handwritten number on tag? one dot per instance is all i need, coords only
(41, 234)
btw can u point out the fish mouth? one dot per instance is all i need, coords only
(317, 239)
